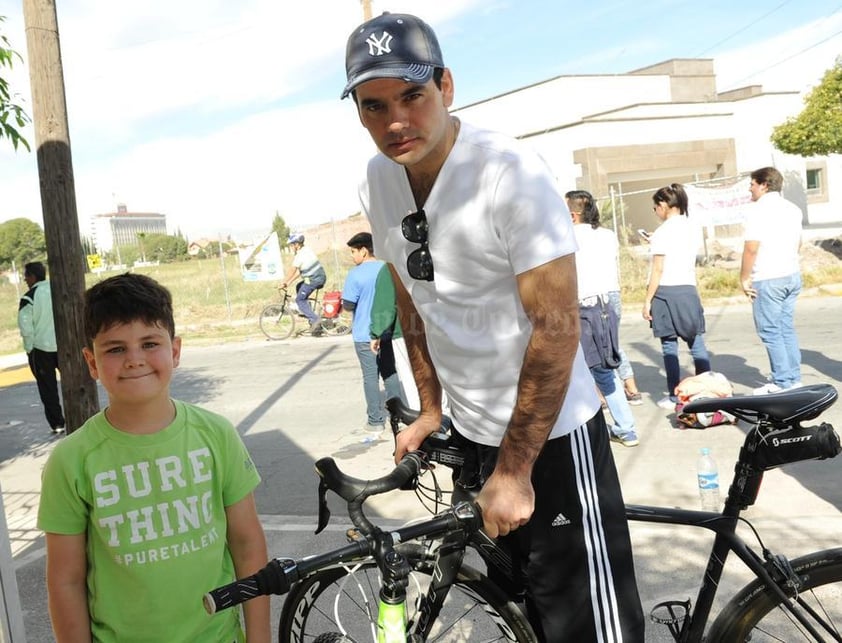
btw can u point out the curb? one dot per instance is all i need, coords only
(12, 361)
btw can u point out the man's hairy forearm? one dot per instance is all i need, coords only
(544, 380)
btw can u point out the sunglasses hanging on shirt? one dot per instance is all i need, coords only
(419, 263)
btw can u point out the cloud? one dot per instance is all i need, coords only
(794, 60)
(303, 162)
(213, 112)
(220, 113)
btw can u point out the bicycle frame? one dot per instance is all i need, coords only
(775, 438)
(724, 526)
(742, 493)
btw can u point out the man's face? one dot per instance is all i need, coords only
(408, 122)
(358, 255)
(29, 279)
(757, 190)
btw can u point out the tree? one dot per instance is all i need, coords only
(165, 248)
(817, 130)
(9, 109)
(280, 226)
(21, 241)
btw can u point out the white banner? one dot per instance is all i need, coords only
(719, 205)
(262, 262)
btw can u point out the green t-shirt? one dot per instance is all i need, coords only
(153, 510)
(384, 311)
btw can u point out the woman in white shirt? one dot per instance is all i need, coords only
(598, 285)
(673, 307)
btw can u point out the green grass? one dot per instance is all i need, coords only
(212, 305)
(209, 304)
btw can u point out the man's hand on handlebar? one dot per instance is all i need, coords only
(412, 436)
(507, 502)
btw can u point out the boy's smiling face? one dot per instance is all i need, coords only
(134, 362)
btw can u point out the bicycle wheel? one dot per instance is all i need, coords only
(275, 322)
(336, 325)
(340, 604)
(756, 614)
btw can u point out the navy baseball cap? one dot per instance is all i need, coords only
(392, 45)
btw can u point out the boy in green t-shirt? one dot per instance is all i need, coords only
(150, 503)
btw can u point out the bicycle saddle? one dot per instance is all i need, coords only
(786, 407)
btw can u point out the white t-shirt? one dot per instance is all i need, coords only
(776, 224)
(678, 239)
(494, 212)
(596, 260)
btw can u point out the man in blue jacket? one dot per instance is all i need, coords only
(35, 320)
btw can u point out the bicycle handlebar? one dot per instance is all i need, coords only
(275, 578)
(279, 575)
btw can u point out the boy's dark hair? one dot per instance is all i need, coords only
(362, 240)
(123, 299)
(674, 196)
(35, 269)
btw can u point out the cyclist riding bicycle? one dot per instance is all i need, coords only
(307, 266)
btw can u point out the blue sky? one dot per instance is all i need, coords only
(221, 113)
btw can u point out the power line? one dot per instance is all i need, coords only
(783, 60)
(742, 29)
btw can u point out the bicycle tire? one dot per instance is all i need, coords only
(336, 325)
(756, 614)
(475, 608)
(276, 322)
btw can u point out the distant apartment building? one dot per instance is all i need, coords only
(118, 229)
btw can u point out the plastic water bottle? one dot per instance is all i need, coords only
(708, 481)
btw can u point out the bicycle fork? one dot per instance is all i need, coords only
(393, 625)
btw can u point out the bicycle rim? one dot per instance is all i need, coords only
(275, 322)
(756, 614)
(336, 326)
(340, 604)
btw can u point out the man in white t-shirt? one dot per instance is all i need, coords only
(770, 275)
(482, 248)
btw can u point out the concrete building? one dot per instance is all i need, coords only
(629, 134)
(117, 229)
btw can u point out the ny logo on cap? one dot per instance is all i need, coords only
(379, 46)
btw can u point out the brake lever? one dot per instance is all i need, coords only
(324, 510)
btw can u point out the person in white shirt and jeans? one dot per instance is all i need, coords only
(597, 279)
(770, 275)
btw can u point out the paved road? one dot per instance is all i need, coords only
(299, 400)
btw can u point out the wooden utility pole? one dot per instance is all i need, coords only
(366, 10)
(58, 205)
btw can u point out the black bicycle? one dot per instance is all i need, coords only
(278, 321)
(348, 594)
